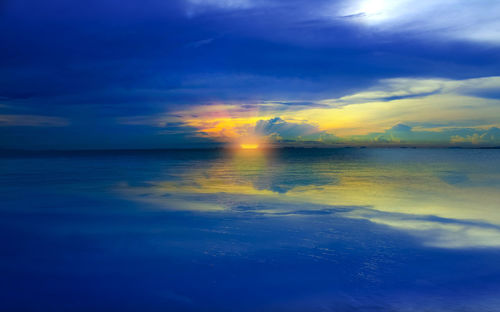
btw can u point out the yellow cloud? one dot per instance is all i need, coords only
(425, 104)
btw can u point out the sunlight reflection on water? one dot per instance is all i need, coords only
(446, 201)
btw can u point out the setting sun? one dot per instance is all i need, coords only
(249, 146)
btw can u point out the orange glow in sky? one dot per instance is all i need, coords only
(249, 146)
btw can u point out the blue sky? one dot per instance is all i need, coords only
(193, 73)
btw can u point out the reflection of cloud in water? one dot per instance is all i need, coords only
(454, 178)
(443, 201)
(437, 232)
(282, 182)
(469, 179)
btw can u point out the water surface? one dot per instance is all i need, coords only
(282, 230)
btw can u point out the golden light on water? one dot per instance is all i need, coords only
(288, 186)
(249, 146)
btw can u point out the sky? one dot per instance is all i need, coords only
(203, 73)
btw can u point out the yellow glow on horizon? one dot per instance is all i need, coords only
(350, 117)
(249, 146)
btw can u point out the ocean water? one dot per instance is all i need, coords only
(280, 230)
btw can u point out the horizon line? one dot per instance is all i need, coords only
(2, 150)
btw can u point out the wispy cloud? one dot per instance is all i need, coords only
(195, 7)
(200, 43)
(32, 121)
(225, 4)
(401, 88)
(456, 19)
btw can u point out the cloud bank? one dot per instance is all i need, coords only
(279, 130)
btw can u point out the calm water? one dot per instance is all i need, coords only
(284, 230)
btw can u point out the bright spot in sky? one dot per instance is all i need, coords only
(456, 19)
(372, 7)
(374, 11)
(389, 13)
(249, 146)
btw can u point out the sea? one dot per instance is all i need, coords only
(290, 229)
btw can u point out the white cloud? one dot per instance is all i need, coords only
(397, 88)
(283, 129)
(477, 20)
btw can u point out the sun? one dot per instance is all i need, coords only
(249, 146)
